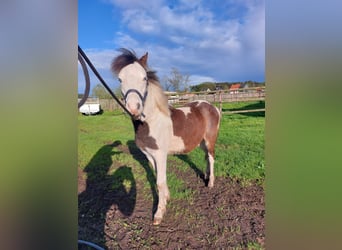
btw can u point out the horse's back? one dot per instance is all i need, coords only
(209, 111)
(211, 116)
(192, 123)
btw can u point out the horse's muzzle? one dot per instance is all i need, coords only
(134, 108)
(136, 117)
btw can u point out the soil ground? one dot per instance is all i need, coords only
(228, 216)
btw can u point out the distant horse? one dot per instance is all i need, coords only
(161, 129)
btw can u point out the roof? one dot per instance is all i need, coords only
(235, 86)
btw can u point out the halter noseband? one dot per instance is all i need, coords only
(142, 97)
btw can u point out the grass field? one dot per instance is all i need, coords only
(239, 148)
(112, 166)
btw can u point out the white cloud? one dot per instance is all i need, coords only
(253, 37)
(139, 21)
(125, 40)
(197, 79)
(191, 38)
(101, 59)
(135, 4)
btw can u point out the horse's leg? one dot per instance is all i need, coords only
(151, 160)
(210, 168)
(163, 190)
(209, 156)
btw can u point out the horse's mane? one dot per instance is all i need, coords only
(128, 57)
(121, 61)
(157, 93)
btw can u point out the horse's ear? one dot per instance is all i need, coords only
(143, 60)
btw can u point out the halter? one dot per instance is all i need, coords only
(142, 97)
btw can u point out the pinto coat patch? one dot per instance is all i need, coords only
(142, 138)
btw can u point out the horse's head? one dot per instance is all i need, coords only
(134, 83)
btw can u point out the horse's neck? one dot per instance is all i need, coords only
(156, 104)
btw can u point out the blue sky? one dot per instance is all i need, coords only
(217, 40)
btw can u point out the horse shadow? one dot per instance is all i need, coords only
(257, 105)
(141, 158)
(102, 191)
(193, 166)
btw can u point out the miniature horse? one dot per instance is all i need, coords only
(161, 129)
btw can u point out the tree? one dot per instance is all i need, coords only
(204, 86)
(176, 81)
(100, 92)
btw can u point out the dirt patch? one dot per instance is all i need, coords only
(81, 187)
(115, 214)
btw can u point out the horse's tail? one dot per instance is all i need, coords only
(219, 110)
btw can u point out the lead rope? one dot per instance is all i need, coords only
(87, 80)
(82, 55)
(83, 242)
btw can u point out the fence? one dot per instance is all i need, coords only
(222, 96)
(109, 105)
(236, 95)
(219, 96)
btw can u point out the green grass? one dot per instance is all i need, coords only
(240, 145)
(96, 131)
(239, 148)
(106, 144)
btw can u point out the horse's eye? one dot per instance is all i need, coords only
(119, 80)
(145, 78)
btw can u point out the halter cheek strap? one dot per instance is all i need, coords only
(142, 97)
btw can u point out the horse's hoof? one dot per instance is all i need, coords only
(157, 221)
